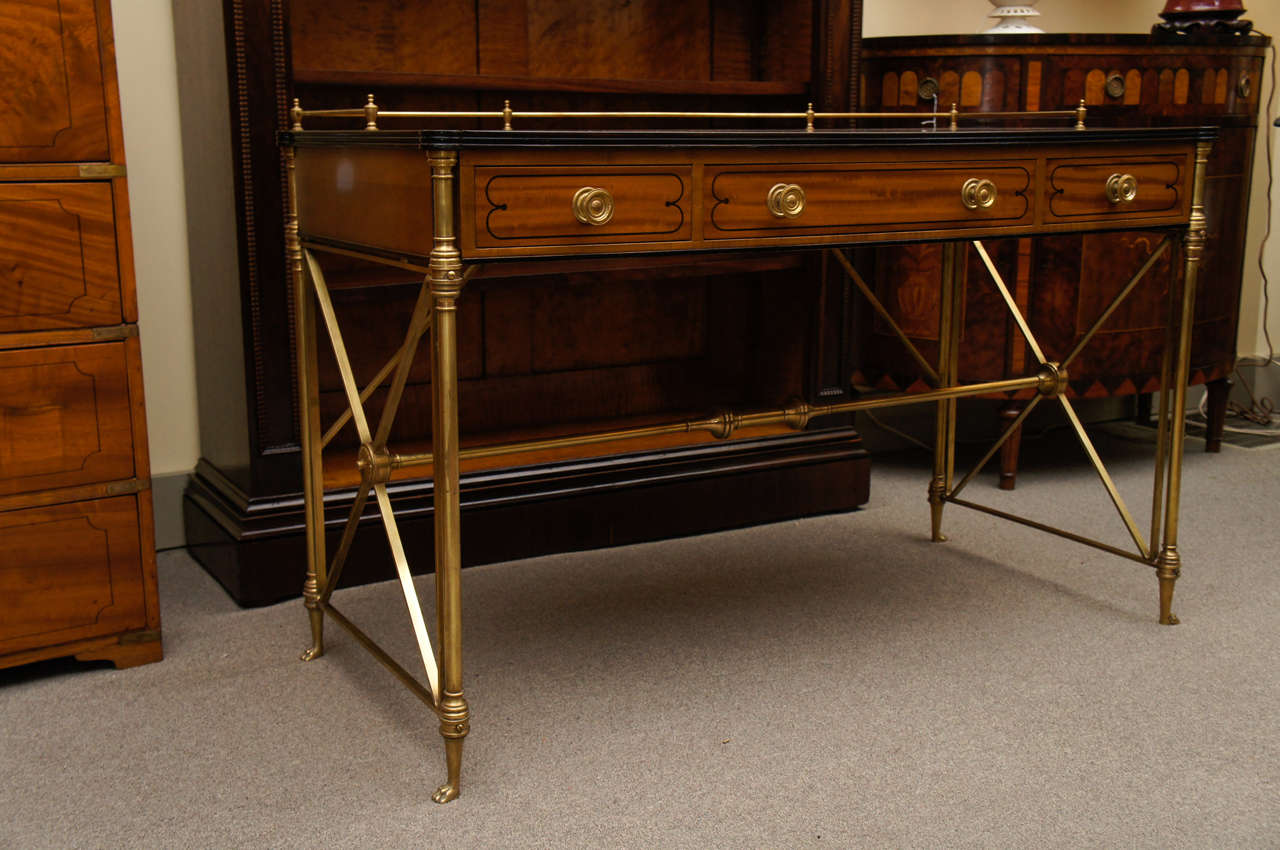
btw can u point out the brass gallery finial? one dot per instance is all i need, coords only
(506, 115)
(296, 114)
(1080, 115)
(955, 115)
(808, 119)
(370, 114)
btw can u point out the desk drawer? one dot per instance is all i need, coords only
(57, 256)
(747, 201)
(64, 417)
(575, 205)
(1111, 188)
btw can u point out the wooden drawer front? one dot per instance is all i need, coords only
(883, 197)
(1077, 188)
(70, 572)
(52, 107)
(57, 256)
(64, 417)
(535, 206)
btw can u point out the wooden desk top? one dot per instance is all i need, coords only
(525, 194)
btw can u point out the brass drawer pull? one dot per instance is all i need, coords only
(978, 193)
(1115, 86)
(592, 205)
(1122, 188)
(786, 200)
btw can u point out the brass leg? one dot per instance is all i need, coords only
(309, 408)
(948, 336)
(446, 284)
(1169, 565)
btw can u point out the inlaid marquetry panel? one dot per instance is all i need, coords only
(58, 265)
(90, 583)
(64, 417)
(52, 107)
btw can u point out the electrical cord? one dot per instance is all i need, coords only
(1261, 411)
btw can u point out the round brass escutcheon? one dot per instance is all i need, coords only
(592, 206)
(978, 194)
(1244, 87)
(786, 200)
(928, 89)
(1115, 86)
(1122, 188)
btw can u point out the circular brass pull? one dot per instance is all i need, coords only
(1122, 188)
(1115, 86)
(978, 194)
(786, 200)
(592, 205)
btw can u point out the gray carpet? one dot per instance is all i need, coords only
(832, 682)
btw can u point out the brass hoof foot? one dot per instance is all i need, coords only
(312, 653)
(939, 538)
(1171, 620)
(445, 793)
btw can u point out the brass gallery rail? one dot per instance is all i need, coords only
(579, 195)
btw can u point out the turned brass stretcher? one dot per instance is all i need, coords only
(449, 204)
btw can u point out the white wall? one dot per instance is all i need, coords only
(149, 102)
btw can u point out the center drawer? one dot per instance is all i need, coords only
(742, 201)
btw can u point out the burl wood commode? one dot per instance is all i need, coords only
(459, 205)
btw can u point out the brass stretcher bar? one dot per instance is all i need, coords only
(503, 197)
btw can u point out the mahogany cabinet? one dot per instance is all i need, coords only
(668, 337)
(1064, 283)
(77, 551)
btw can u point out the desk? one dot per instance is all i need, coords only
(505, 199)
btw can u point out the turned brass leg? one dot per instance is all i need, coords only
(1168, 565)
(309, 408)
(1168, 569)
(446, 283)
(454, 725)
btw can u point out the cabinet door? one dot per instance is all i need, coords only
(52, 107)
(70, 572)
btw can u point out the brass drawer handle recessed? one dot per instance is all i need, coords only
(1122, 188)
(592, 205)
(786, 200)
(978, 193)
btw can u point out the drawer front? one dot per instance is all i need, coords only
(582, 205)
(53, 108)
(64, 417)
(747, 201)
(58, 265)
(1115, 188)
(70, 572)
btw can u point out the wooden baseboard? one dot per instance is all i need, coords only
(254, 547)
